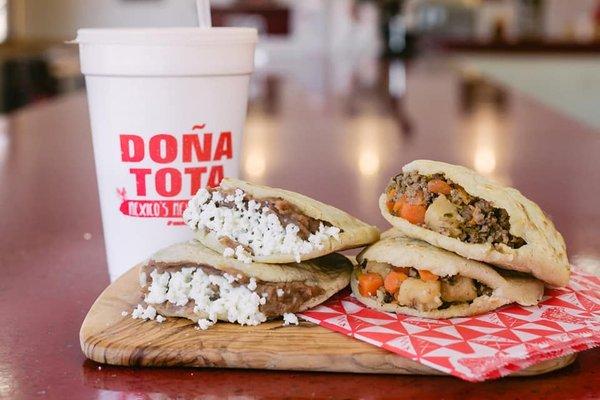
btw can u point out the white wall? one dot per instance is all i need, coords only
(488, 13)
(318, 26)
(569, 20)
(59, 19)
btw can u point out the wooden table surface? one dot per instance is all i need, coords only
(333, 134)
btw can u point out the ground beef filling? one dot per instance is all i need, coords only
(286, 212)
(477, 220)
(419, 289)
(291, 296)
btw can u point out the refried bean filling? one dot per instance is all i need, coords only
(478, 221)
(287, 213)
(293, 296)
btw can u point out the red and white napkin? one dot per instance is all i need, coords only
(478, 348)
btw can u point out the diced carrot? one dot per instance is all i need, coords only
(397, 207)
(398, 204)
(438, 186)
(427, 275)
(404, 270)
(368, 283)
(393, 280)
(390, 205)
(413, 213)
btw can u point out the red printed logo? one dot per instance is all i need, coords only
(194, 150)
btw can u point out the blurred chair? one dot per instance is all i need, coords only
(269, 17)
(26, 80)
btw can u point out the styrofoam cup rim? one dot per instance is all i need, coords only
(166, 36)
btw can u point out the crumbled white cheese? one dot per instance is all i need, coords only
(143, 313)
(229, 278)
(280, 292)
(124, 313)
(242, 255)
(289, 319)
(177, 285)
(158, 287)
(137, 312)
(160, 319)
(228, 252)
(253, 226)
(215, 296)
(204, 324)
(149, 313)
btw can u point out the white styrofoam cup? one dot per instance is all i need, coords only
(167, 108)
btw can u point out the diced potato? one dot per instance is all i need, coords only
(419, 294)
(443, 216)
(379, 268)
(459, 290)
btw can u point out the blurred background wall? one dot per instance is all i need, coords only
(549, 19)
(314, 25)
(36, 64)
(59, 19)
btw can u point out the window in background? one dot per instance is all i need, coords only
(3, 20)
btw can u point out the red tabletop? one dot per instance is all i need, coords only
(329, 132)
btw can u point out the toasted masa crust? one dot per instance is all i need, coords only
(354, 233)
(544, 256)
(331, 273)
(401, 251)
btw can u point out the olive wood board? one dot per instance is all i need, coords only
(108, 337)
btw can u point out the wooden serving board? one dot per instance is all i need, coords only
(108, 337)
